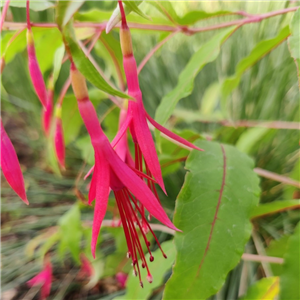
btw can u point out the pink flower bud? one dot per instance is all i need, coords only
(86, 266)
(34, 70)
(11, 167)
(47, 113)
(59, 138)
(122, 278)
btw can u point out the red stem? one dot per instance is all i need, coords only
(4, 11)
(122, 13)
(28, 15)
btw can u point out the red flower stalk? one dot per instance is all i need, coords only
(44, 278)
(59, 142)
(137, 116)
(47, 113)
(4, 11)
(34, 69)
(10, 166)
(111, 172)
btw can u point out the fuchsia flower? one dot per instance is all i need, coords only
(122, 278)
(44, 278)
(11, 167)
(47, 113)
(34, 69)
(86, 266)
(111, 172)
(59, 142)
(137, 116)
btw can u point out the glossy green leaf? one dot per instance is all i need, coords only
(266, 288)
(34, 5)
(257, 53)
(213, 211)
(250, 138)
(158, 268)
(85, 66)
(166, 8)
(65, 11)
(71, 232)
(207, 53)
(192, 17)
(294, 41)
(134, 7)
(290, 277)
(274, 207)
(57, 62)
(70, 118)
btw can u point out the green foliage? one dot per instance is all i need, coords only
(57, 63)
(290, 277)
(266, 288)
(134, 7)
(212, 210)
(206, 53)
(34, 5)
(294, 40)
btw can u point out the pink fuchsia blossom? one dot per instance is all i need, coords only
(3, 14)
(137, 116)
(34, 69)
(110, 172)
(86, 266)
(59, 142)
(10, 166)
(47, 113)
(44, 279)
(122, 278)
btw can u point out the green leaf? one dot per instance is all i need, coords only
(158, 268)
(70, 118)
(84, 65)
(166, 8)
(291, 192)
(57, 63)
(212, 210)
(86, 149)
(277, 248)
(207, 53)
(250, 138)
(192, 17)
(134, 7)
(71, 232)
(290, 277)
(34, 5)
(65, 11)
(257, 53)
(274, 207)
(266, 288)
(294, 41)
(210, 99)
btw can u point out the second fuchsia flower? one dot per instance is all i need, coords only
(111, 172)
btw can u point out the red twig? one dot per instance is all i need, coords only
(4, 11)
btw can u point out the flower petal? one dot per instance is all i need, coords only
(102, 191)
(122, 130)
(11, 167)
(172, 135)
(145, 140)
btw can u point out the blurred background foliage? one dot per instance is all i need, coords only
(268, 91)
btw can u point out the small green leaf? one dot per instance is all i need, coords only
(266, 288)
(84, 65)
(166, 8)
(65, 11)
(134, 7)
(71, 232)
(257, 53)
(250, 138)
(274, 207)
(70, 118)
(158, 268)
(290, 277)
(192, 17)
(213, 211)
(207, 53)
(294, 41)
(57, 63)
(34, 5)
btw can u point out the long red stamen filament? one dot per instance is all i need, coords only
(146, 222)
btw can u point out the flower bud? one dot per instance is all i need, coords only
(59, 138)
(47, 113)
(125, 40)
(34, 70)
